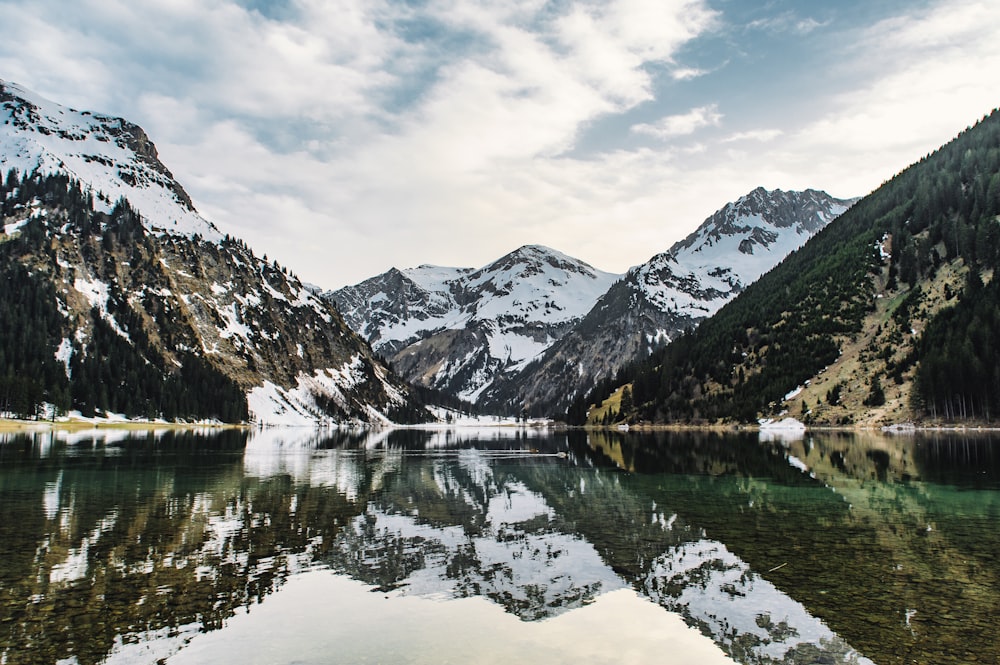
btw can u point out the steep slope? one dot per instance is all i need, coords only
(672, 292)
(461, 330)
(889, 314)
(110, 156)
(137, 305)
(400, 307)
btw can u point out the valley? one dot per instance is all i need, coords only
(781, 304)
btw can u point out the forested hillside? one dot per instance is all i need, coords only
(890, 313)
(98, 313)
(115, 367)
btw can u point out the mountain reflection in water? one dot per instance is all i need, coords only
(814, 550)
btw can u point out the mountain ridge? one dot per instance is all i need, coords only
(671, 293)
(124, 267)
(444, 327)
(111, 155)
(886, 316)
(458, 329)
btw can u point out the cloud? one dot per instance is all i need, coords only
(920, 79)
(683, 124)
(761, 135)
(340, 137)
(687, 73)
(344, 137)
(787, 22)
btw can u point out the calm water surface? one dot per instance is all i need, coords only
(497, 547)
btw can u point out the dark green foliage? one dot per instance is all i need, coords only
(30, 332)
(626, 405)
(784, 328)
(116, 370)
(127, 376)
(902, 314)
(876, 396)
(959, 372)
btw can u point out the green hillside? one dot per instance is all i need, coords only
(888, 314)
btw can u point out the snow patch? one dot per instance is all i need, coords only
(97, 294)
(272, 405)
(793, 393)
(11, 229)
(786, 429)
(64, 354)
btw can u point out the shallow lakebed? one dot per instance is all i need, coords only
(498, 545)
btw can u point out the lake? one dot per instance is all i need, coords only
(498, 546)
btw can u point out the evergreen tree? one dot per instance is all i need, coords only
(876, 396)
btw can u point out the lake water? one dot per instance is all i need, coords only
(498, 546)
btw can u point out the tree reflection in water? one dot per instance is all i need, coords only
(780, 551)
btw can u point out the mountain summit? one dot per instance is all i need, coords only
(672, 292)
(460, 329)
(119, 297)
(732, 249)
(110, 155)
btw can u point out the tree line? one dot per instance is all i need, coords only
(106, 368)
(786, 327)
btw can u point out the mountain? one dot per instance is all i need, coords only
(671, 293)
(117, 296)
(890, 314)
(112, 157)
(461, 330)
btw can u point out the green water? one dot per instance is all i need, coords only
(498, 546)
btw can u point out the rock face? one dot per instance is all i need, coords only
(464, 331)
(94, 219)
(111, 156)
(671, 293)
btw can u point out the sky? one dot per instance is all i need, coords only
(345, 137)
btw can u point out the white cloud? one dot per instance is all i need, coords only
(921, 79)
(608, 43)
(469, 165)
(761, 135)
(687, 73)
(682, 124)
(787, 22)
(354, 135)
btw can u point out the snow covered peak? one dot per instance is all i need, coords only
(110, 155)
(536, 258)
(459, 328)
(434, 278)
(733, 248)
(537, 283)
(756, 220)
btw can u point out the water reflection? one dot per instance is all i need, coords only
(891, 541)
(808, 550)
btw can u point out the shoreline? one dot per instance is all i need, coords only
(11, 425)
(27, 426)
(747, 427)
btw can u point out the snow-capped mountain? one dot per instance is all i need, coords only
(672, 292)
(111, 156)
(399, 307)
(135, 282)
(459, 329)
(733, 248)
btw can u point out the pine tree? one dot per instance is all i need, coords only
(876, 396)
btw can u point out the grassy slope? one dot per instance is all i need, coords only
(833, 312)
